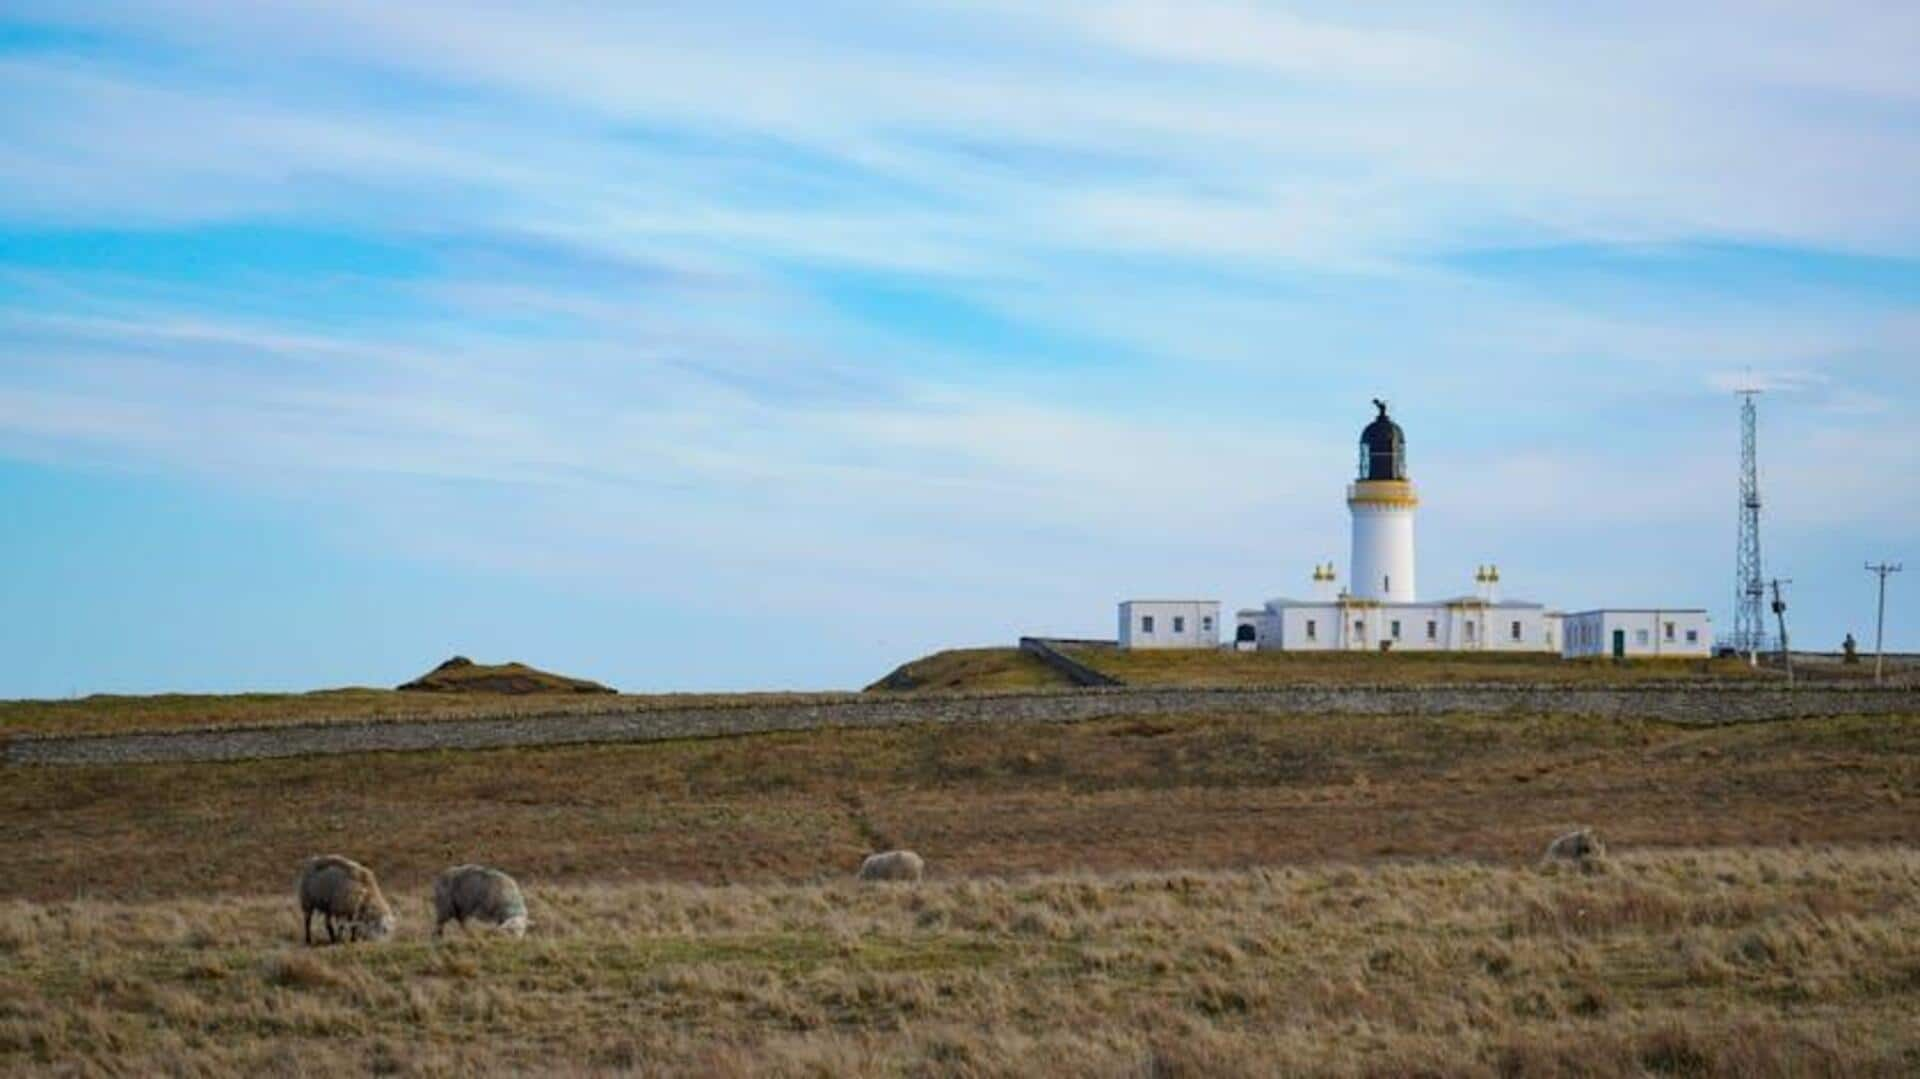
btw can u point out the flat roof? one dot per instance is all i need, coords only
(1125, 602)
(1638, 610)
(1355, 601)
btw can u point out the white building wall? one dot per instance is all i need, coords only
(1643, 633)
(1360, 626)
(1187, 623)
(1382, 552)
(1312, 628)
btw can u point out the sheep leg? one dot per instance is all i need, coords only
(306, 930)
(333, 937)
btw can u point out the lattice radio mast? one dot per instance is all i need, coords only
(1749, 607)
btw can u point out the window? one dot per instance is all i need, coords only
(1639, 636)
(1312, 630)
(1359, 629)
(1693, 636)
(1396, 629)
(1206, 623)
(1469, 631)
(1179, 623)
(1669, 631)
(1386, 584)
(1433, 631)
(1516, 631)
(1146, 623)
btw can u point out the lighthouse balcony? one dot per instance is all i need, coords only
(1382, 493)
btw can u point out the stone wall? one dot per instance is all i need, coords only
(1077, 672)
(1687, 704)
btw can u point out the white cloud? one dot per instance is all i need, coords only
(1222, 224)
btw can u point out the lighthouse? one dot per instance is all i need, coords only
(1382, 501)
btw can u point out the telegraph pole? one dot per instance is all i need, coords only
(1880, 619)
(1780, 613)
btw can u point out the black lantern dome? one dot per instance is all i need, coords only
(1383, 448)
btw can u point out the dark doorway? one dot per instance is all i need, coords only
(1244, 634)
(1619, 644)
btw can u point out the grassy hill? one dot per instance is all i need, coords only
(1010, 668)
(475, 691)
(462, 675)
(972, 669)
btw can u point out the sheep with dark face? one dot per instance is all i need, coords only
(1581, 848)
(893, 865)
(483, 894)
(347, 897)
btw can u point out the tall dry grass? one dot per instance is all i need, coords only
(1731, 962)
(1117, 795)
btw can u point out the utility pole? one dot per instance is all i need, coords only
(1880, 619)
(1780, 613)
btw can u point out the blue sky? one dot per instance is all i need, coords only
(714, 347)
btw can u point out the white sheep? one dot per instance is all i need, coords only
(1582, 848)
(343, 891)
(893, 865)
(475, 891)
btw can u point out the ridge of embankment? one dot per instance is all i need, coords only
(1700, 705)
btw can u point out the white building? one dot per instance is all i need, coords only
(1170, 623)
(1622, 633)
(1344, 622)
(1352, 625)
(1380, 609)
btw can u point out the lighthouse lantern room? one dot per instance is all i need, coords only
(1382, 501)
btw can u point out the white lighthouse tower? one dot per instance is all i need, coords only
(1382, 501)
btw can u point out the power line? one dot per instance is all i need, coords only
(1880, 619)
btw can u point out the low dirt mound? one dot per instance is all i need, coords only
(971, 668)
(462, 675)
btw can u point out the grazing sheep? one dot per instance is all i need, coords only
(893, 865)
(475, 891)
(1582, 848)
(343, 891)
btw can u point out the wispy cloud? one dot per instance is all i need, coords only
(923, 292)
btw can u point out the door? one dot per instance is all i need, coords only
(1619, 644)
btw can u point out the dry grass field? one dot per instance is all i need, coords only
(1159, 897)
(1718, 963)
(958, 670)
(106, 714)
(1113, 795)
(1227, 668)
